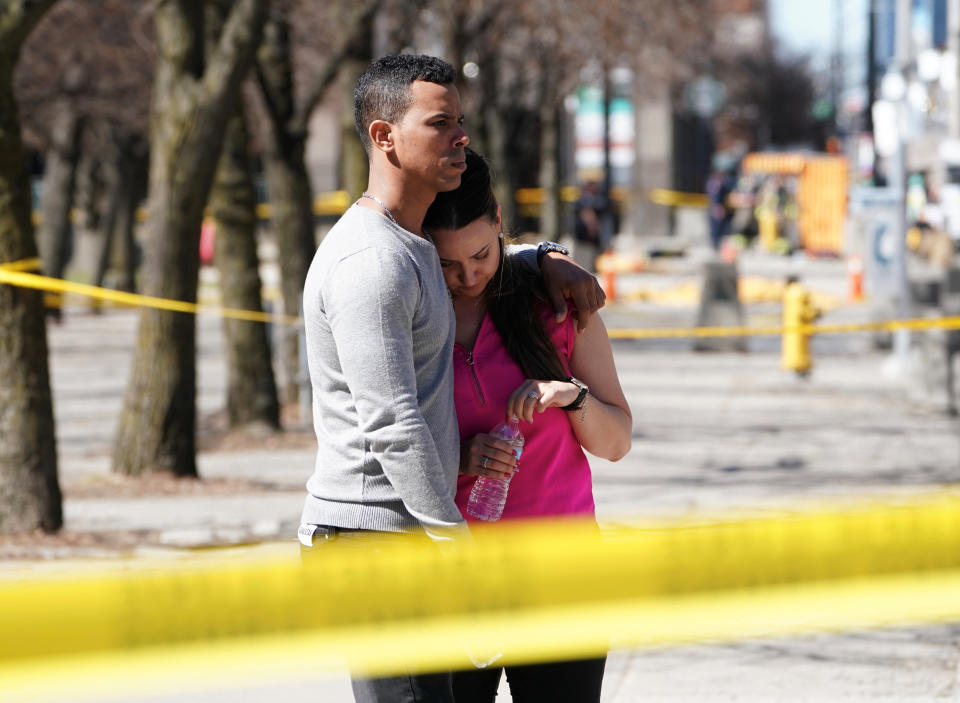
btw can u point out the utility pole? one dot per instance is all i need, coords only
(897, 179)
(606, 224)
(837, 77)
(872, 63)
(953, 47)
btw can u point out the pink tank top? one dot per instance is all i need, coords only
(554, 476)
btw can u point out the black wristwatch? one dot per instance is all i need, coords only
(581, 398)
(545, 247)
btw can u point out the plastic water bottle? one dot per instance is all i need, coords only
(489, 495)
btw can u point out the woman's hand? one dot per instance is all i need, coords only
(533, 395)
(486, 455)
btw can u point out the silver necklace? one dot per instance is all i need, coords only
(379, 202)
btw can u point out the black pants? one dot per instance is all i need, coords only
(576, 681)
(412, 688)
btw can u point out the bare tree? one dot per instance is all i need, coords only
(527, 65)
(284, 137)
(62, 156)
(194, 95)
(121, 159)
(29, 489)
(251, 388)
(84, 84)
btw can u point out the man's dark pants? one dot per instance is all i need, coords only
(406, 688)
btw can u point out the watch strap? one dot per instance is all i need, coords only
(581, 397)
(543, 248)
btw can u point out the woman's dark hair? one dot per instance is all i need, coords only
(513, 292)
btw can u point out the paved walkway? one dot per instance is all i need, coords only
(711, 432)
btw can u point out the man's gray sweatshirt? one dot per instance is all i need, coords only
(379, 332)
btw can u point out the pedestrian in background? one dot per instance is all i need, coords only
(513, 359)
(591, 209)
(719, 186)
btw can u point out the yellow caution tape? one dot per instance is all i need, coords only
(33, 264)
(331, 203)
(45, 283)
(529, 590)
(15, 274)
(538, 196)
(241, 662)
(750, 289)
(662, 196)
(917, 324)
(570, 194)
(336, 202)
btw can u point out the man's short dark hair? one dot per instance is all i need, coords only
(383, 91)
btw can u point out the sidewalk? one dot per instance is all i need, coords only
(712, 432)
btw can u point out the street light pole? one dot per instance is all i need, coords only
(897, 181)
(953, 48)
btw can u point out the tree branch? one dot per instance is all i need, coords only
(241, 35)
(269, 99)
(17, 18)
(273, 68)
(332, 67)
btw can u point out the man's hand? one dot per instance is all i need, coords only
(564, 279)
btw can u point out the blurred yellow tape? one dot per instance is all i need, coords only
(15, 274)
(56, 285)
(949, 323)
(662, 196)
(533, 591)
(23, 265)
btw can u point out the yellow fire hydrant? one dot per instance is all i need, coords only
(798, 310)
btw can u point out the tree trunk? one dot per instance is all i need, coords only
(102, 184)
(354, 162)
(29, 489)
(251, 389)
(291, 219)
(549, 171)
(122, 165)
(497, 139)
(395, 25)
(193, 99)
(497, 109)
(132, 189)
(549, 129)
(59, 178)
(291, 200)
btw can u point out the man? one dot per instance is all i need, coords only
(380, 328)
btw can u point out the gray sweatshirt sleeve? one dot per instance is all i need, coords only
(527, 253)
(372, 321)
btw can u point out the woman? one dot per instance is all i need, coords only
(512, 358)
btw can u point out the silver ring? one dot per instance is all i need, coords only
(534, 395)
(483, 462)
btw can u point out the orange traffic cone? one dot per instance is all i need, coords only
(728, 251)
(606, 267)
(855, 273)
